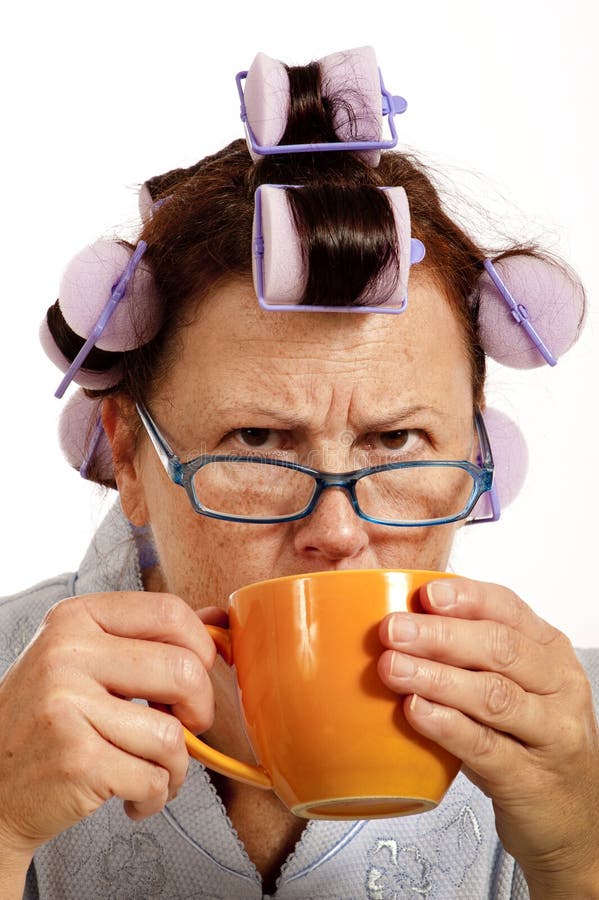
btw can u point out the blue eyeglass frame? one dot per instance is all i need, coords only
(182, 473)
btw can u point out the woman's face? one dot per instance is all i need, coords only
(333, 391)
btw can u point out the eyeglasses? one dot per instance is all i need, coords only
(265, 490)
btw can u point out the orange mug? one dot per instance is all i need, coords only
(330, 738)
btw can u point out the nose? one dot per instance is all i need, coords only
(333, 531)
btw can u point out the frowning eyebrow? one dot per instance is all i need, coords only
(390, 421)
(288, 419)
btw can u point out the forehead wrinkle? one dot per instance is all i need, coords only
(303, 359)
(235, 350)
(303, 402)
(265, 389)
(305, 336)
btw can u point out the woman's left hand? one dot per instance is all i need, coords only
(503, 690)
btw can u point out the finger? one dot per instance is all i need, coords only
(485, 697)
(153, 671)
(480, 645)
(478, 600)
(151, 617)
(94, 770)
(147, 800)
(483, 750)
(146, 808)
(213, 615)
(143, 732)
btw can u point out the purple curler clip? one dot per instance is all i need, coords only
(92, 447)
(417, 251)
(117, 294)
(520, 314)
(354, 70)
(275, 232)
(391, 106)
(510, 461)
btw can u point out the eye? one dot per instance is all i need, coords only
(394, 440)
(258, 438)
(402, 441)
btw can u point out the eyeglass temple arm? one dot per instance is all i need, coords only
(487, 462)
(166, 454)
(483, 439)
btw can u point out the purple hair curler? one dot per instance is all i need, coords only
(278, 268)
(352, 74)
(511, 462)
(87, 378)
(147, 207)
(107, 296)
(82, 437)
(542, 298)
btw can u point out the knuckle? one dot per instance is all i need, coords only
(170, 735)
(157, 782)
(474, 591)
(577, 687)
(53, 659)
(500, 697)
(441, 678)
(579, 683)
(172, 612)
(188, 672)
(553, 637)
(516, 610)
(441, 630)
(505, 646)
(76, 762)
(208, 650)
(50, 663)
(201, 715)
(55, 711)
(485, 742)
(572, 736)
(63, 609)
(59, 661)
(206, 719)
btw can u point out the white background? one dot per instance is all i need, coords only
(503, 96)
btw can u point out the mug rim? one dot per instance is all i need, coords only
(322, 574)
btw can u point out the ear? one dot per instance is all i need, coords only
(119, 421)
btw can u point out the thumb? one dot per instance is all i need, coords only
(213, 615)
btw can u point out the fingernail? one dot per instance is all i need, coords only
(402, 666)
(441, 594)
(420, 706)
(402, 628)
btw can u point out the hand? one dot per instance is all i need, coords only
(69, 737)
(503, 691)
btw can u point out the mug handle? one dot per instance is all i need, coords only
(214, 759)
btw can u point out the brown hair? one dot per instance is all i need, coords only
(201, 236)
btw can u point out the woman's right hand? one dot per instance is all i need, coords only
(69, 737)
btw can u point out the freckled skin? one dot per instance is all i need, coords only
(337, 372)
(333, 374)
(340, 382)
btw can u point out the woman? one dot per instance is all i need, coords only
(481, 675)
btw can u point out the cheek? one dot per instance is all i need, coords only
(203, 560)
(418, 548)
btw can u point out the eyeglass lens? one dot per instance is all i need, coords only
(240, 488)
